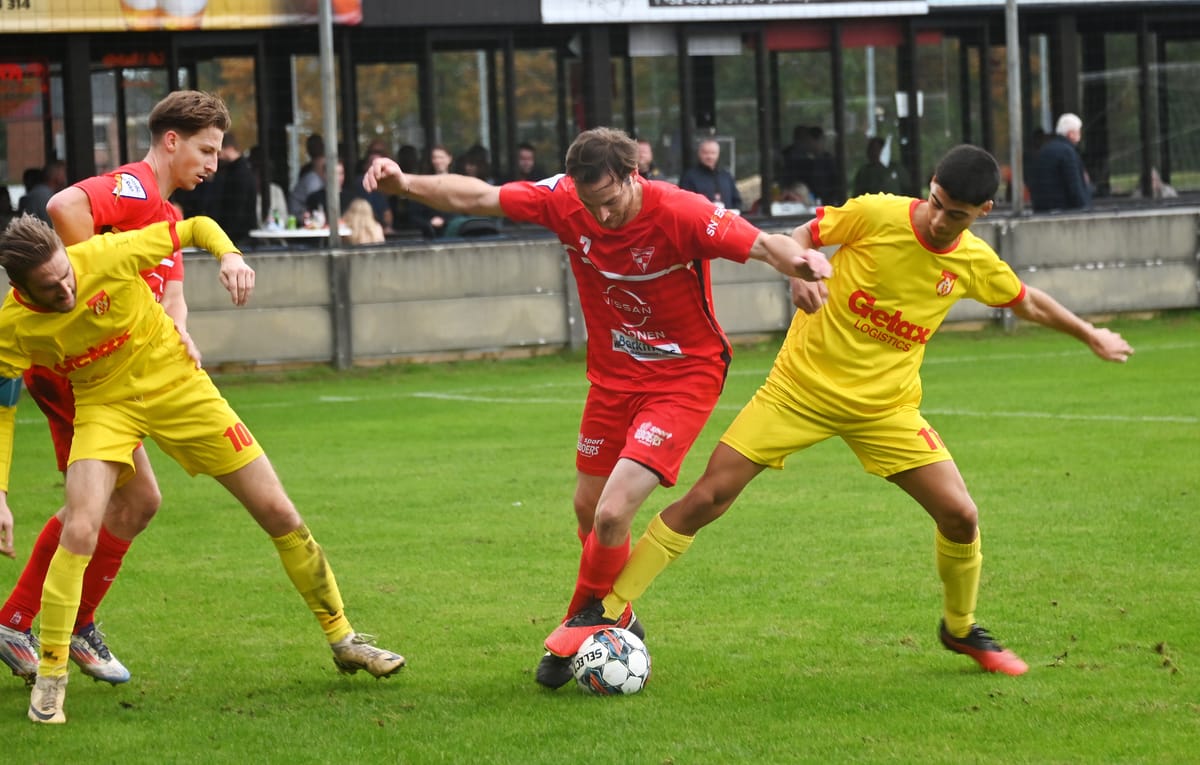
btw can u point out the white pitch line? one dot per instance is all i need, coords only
(1183, 419)
(472, 394)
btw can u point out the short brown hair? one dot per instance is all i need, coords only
(599, 152)
(27, 242)
(187, 112)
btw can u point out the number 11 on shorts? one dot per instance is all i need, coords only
(931, 438)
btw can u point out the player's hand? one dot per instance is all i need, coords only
(811, 266)
(192, 349)
(386, 176)
(1110, 346)
(6, 528)
(808, 296)
(237, 277)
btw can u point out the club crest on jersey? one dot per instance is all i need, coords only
(99, 303)
(128, 186)
(946, 285)
(641, 256)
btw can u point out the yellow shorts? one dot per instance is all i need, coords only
(191, 422)
(774, 424)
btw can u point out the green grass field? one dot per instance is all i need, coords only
(801, 627)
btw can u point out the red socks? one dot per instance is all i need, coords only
(598, 569)
(101, 571)
(26, 599)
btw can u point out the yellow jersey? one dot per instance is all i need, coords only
(861, 354)
(117, 342)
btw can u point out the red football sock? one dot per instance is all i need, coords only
(99, 576)
(598, 569)
(26, 599)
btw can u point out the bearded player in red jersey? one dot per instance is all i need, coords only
(656, 357)
(186, 128)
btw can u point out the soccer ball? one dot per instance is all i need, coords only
(612, 662)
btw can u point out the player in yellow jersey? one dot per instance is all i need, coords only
(86, 312)
(849, 367)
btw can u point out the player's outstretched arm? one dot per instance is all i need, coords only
(789, 258)
(235, 275)
(1042, 309)
(446, 192)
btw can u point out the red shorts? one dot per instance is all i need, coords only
(653, 429)
(56, 399)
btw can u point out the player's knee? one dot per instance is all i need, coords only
(277, 516)
(960, 522)
(612, 523)
(131, 510)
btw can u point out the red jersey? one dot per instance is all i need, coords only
(126, 199)
(644, 289)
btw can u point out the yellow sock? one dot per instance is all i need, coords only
(60, 602)
(958, 565)
(652, 554)
(310, 573)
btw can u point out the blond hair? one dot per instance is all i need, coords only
(360, 218)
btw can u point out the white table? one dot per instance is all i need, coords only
(291, 234)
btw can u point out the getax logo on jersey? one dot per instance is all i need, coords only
(862, 303)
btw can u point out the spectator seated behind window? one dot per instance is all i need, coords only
(311, 177)
(1058, 180)
(646, 167)
(707, 179)
(428, 221)
(315, 214)
(360, 219)
(807, 161)
(876, 176)
(528, 168)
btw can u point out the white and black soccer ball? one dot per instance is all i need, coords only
(612, 662)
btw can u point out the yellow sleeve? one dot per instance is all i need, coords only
(8, 418)
(205, 233)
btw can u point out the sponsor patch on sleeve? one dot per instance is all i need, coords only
(129, 186)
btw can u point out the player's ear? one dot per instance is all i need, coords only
(986, 207)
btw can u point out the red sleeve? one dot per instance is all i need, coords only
(714, 231)
(532, 202)
(814, 228)
(124, 200)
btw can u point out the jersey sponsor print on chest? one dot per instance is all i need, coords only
(885, 326)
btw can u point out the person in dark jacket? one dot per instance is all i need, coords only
(1058, 180)
(234, 196)
(706, 178)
